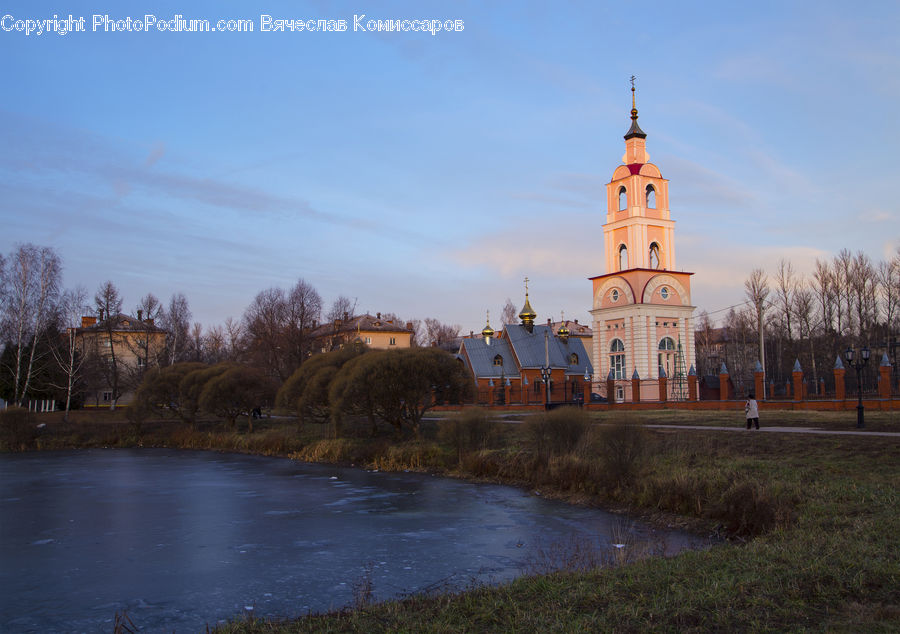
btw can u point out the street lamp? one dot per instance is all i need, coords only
(858, 365)
(545, 370)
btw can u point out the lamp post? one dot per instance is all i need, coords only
(858, 365)
(545, 376)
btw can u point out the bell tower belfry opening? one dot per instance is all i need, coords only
(642, 304)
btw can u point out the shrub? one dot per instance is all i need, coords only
(472, 430)
(16, 429)
(556, 432)
(621, 449)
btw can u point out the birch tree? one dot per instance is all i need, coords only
(31, 282)
(69, 356)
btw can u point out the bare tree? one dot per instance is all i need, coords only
(862, 291)
(805, 313)
(889, 287)
(215, 349)
(841, 274)
(444, 336)
(340, 307)
(704, 343)
(302, 311)
(176, 321)
(757, 289)
(509, 314)
(69, 357)
(32, 282)
(149, 309)
(197, 342)
(108, 366)
(823, 282)
(234, 333)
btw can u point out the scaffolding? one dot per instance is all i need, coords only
(679, 387)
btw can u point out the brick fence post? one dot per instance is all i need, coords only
(663, 386)
(797, 376)
(840, 389)
(692, 384)
(611, 387)
(723, 383)
(884, 377)
(759, 385)
(635, 387)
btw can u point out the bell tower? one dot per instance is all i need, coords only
(638, 232)
(642, 311)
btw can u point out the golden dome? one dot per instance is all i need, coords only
(488, 331)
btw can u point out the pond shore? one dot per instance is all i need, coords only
(815, 533)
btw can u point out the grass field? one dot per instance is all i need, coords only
(812, 520)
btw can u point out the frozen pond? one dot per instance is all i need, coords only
(180, 539)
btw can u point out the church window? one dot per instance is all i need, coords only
(664, 292)
(617, 358)
(666, 355)
(623, 257)
(573, 359)
(623, 199)
(498, 360)
(654, 256)
(651, 197)
(615, 295)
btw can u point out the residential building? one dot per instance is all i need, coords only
(118, 350)
(377, 332)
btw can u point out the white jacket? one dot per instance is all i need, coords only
(752, 408)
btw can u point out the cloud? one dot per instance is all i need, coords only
(156, 152)
(78, 162)
(700, 185)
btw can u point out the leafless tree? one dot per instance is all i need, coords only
(704, 343)
(197, 343)
(31, 282)
(757, 290)
(69, 356)
(234, 333)
(841, 274)
(302, 311)
(444, 336)
(889, 288)
(863, 289)
(509, 314)
(823, 283)
(149, 309)
(109, 305)
(215, 349)
(340, 307)
(176, 320)
(805, 314)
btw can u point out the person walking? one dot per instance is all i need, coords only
(751, 409)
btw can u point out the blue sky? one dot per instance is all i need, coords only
(427, 175)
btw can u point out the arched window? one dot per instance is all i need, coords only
(651, 197)
(623, 199)
(614, 295)
(498, 360)
(617, 358)
(573, 359)
(654, 256)
(666, 356)
(623, 257)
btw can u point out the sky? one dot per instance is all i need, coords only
(427, 175)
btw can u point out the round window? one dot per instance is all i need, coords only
(615, 295)
(664, 292)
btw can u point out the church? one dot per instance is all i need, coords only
(640, 346)
(641, 312)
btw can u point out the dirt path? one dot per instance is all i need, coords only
(785, 430)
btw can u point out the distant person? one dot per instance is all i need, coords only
(751, 409)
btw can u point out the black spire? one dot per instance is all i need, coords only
(635, 129)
